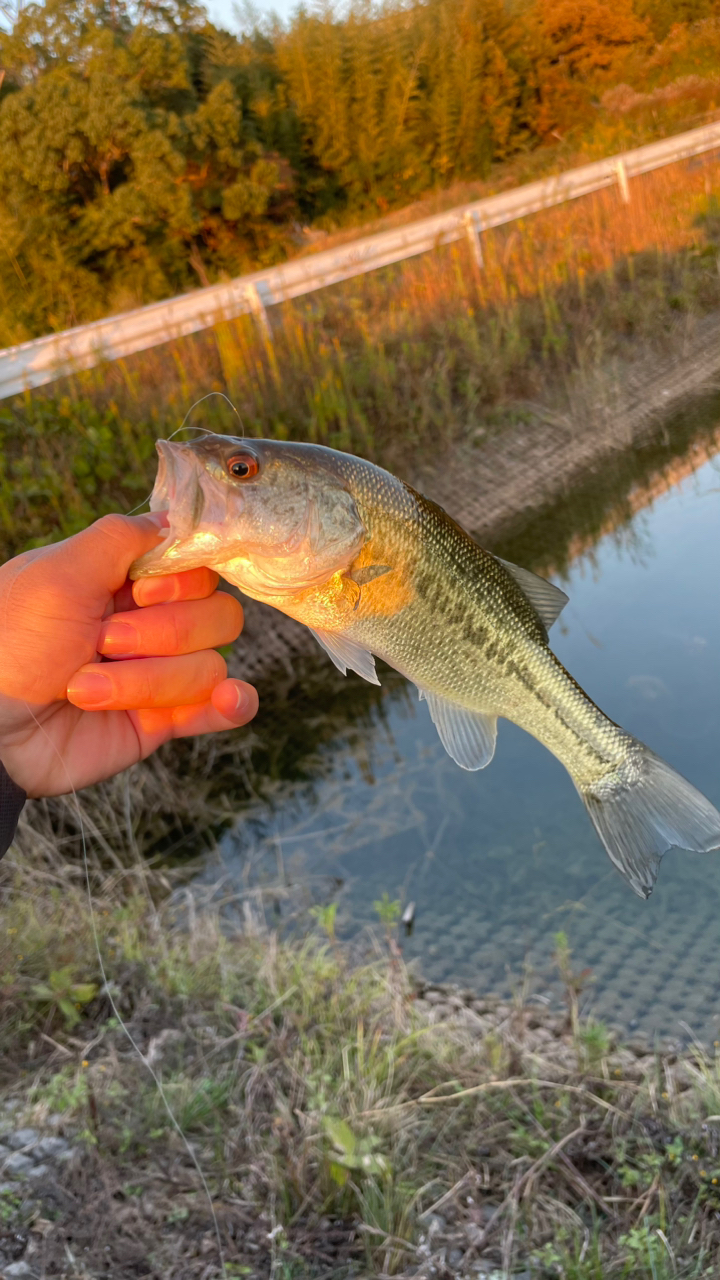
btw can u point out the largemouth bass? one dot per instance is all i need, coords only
(375, 569)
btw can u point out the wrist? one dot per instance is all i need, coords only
(12, 799)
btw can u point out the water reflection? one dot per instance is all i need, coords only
(497, 861)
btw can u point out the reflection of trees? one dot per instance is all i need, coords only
(607, 501)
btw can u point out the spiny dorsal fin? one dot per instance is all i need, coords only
(467, 736)
(347, 655)
(547, 600)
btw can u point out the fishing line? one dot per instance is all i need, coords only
(116, 1012)
(203, 431)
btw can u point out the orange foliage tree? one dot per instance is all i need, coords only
(580, 43)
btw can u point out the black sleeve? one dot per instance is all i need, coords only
(12, 799)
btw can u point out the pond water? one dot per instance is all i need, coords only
(498, 861)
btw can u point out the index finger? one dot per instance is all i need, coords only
(194, 584)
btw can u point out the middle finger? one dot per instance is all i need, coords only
(169, 629)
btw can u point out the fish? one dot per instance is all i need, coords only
(377, 570)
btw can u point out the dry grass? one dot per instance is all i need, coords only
(406, 360)
(347, 1120)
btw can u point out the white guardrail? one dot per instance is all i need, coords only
(42, 360)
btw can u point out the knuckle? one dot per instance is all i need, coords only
(217, 667)
(231, 613)
(146, 689)
(113, 527)
(176, 634)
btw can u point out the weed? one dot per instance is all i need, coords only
(573, 981)
(352, 1153)
(62, 993)
(326, 1107)
(388, 912)
(325, 916)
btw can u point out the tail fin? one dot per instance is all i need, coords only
(642, 809)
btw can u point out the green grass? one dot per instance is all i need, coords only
(328, 1113)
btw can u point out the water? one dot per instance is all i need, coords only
(498, 861)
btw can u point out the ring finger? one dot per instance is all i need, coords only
(147, 682)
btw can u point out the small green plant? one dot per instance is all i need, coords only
(66, 1092)
(352, 1153)
(325, 916)
(573, 982)
(63, 994)
(179, 1214)
(388, 911)
(644, 1246)
(674, 1151)
(593, 1041)
(9, 1205)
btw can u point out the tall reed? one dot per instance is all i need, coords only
(408, 358)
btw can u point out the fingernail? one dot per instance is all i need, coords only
(120, 639)
(90, 688)
(245, 700)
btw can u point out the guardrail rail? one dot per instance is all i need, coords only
(34, 363)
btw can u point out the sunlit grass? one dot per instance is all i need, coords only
(391, 366)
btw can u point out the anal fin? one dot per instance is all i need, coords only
(468, 736)
(347, 655)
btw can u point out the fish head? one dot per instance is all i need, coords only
(270, 516)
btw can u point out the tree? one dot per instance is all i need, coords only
(393, 99)
(579, 43)
(128, 168)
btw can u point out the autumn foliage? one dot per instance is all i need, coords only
(144, 151)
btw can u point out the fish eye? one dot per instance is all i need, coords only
(242, 465)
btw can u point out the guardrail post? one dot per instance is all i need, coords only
(472, 230)
(257, 306)
(623, 184)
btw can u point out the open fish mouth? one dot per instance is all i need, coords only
(163, 494)
(180, 490)
(177, 474)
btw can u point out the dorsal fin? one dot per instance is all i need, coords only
(547, 600)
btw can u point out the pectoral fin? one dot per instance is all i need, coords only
(467, 736)
(347, 655)
(547, 600)
(368, 573)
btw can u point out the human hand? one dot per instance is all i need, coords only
(68, 719)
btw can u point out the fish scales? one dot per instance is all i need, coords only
(376, 569)
(469, 633)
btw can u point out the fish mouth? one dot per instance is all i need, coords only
(163, 494)
(179, 490)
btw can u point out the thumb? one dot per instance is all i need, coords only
(105, 550)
